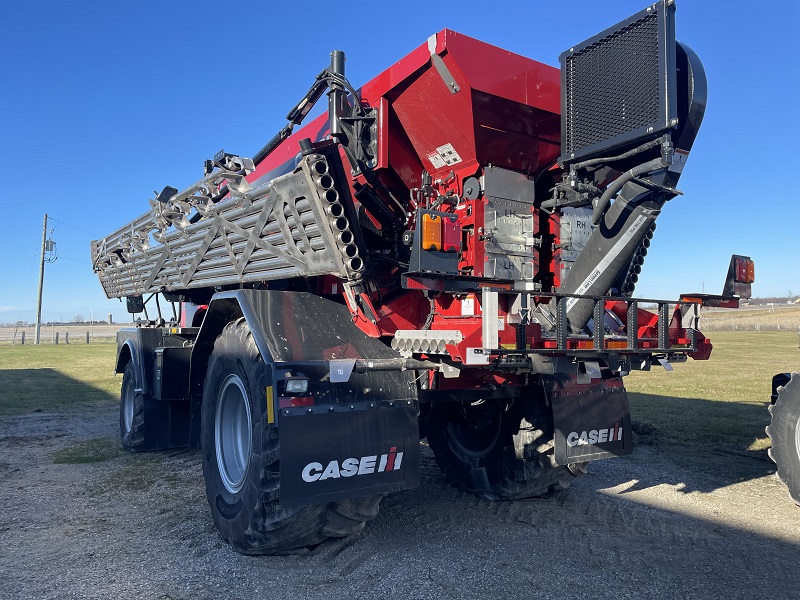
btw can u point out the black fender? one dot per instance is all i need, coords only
(129, 350)
(366, 421)
(779, 380)
(223, 308)
(275, 318)
(290, 328)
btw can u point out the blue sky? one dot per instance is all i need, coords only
(104, 102)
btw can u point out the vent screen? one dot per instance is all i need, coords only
(613, 93)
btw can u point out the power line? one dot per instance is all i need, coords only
(94, 235)
(83, 262)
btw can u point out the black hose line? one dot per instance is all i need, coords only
(616, 186)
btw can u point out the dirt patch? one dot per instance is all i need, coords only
(666, 522)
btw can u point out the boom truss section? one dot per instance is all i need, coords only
(297, 225)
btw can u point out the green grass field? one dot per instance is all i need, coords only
(50, 377)
(721, 401)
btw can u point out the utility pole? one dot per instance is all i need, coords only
(41, 282)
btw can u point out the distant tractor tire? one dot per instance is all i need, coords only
(500, 451)
(241, 460)
(784, 432)
(131, 412)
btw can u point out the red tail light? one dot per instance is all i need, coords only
(296, 401)
(451, 234)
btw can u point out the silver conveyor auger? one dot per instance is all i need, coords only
(295, 225)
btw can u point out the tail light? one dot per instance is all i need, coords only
(431, 232)
(451, 234)
(745, 271)
(440, 232)
(295, 393)
(295, 401)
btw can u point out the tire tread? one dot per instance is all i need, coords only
(270, 528)
(783, 434)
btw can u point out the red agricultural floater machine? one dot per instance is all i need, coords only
(450, 252)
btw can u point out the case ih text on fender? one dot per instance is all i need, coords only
(595, 436)
(354, 466)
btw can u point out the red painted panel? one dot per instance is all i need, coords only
(505, 74)
(506, 112)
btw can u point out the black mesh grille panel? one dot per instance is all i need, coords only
(614, 89)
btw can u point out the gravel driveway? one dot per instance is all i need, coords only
(663, 522)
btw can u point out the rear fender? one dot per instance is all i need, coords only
(222, 309)
(592, 420)
(128, 351)
(365, 440)
(779, 380)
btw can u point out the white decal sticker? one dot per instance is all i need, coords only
(678, 161)
(468, 307)
(436, 160)
(449, 154)
(444, 156)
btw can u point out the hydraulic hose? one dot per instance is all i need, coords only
(607, 159)
(616, 186)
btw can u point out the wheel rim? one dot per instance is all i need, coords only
(478, 429)
(232, 433)
(797, 438)
(127, 406)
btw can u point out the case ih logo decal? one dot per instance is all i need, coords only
(595, 436)
(366, 465)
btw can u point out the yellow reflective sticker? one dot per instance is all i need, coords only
(270, 406)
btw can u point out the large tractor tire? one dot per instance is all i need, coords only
(131, 412)
(500, 450)
(241, 460)
(784, 432)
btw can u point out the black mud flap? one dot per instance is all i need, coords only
(348, 453)
(592, 421)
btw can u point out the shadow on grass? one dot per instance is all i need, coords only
(46, 389)
(725, 441)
